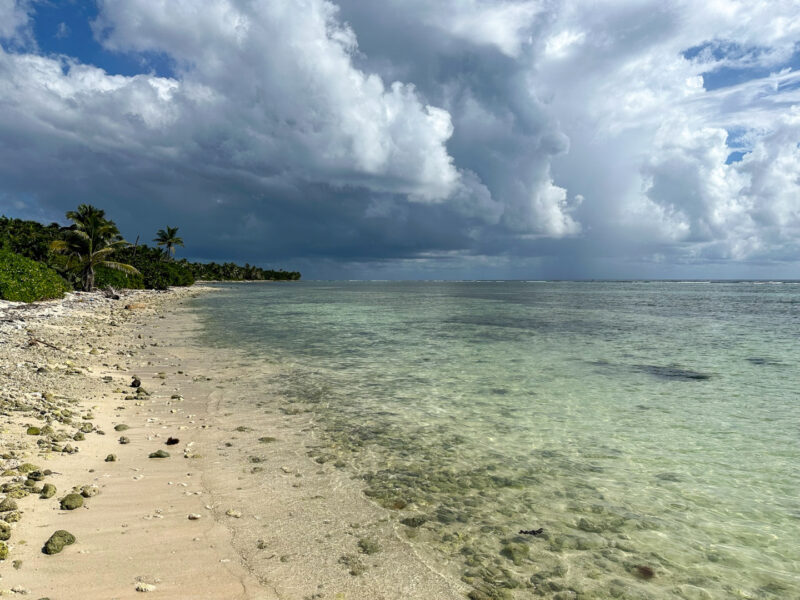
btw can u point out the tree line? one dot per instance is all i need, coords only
(90, 253)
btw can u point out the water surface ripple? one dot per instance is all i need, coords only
(649, 429)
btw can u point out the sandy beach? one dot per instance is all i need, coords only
(92, 387)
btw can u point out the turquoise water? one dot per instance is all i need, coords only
(652, 430)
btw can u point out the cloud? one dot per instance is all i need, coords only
(14, 20)
(510, 134)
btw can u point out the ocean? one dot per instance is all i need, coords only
(644, 435)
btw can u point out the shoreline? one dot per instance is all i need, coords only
(240, 508)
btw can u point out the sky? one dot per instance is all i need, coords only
(410, 139)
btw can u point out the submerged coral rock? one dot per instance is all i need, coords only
(515, 552)
(159, 454)
(48, 491)
(415, 521)
(57, 541)
(71, 502)
(368, 546)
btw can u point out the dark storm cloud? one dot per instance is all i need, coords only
(410, 138)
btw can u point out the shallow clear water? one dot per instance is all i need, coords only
(643, 426)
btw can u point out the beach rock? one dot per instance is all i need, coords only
(236, 514)
(78, 437)
(3, 551)
(34, 431)
(136, 382)
(8, 504)
(171, 441)
(27, 468)
(111, 458)
(159, 454)
(89, 491)
(5, 531)
(57, 541)
(141, 586)
(48, 491)
(194, 516)
(71, 502)
(121, 427)
(36, 476)
(12, 517)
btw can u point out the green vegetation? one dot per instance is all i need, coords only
(168, 238)
(90, 245)
(25, 280)
(38, 261)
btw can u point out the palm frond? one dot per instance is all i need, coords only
(120, 267)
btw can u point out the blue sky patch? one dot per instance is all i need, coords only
(65, 28)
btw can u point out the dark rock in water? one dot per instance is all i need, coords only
(415, 521)
(159, 454)
(171, 441)
(761, 361)
(136, 382)
(368, 546)
(515, 552)
(539, 531)
(71, 502)
(57, 541)
(644, 572)
(672, 372)
(353, 563)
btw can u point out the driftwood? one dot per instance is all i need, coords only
(32, 341)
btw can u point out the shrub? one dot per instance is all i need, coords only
(161, 275)
(25, 280)
(106, 277)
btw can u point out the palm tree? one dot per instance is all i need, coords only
(169, 239)
(90, 244)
